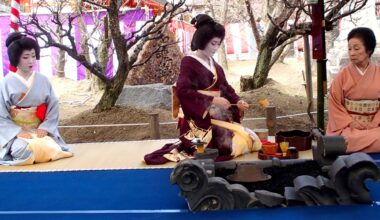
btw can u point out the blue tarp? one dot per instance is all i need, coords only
(135, 194)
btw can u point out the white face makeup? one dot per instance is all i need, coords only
(27, 61)
(212, 46)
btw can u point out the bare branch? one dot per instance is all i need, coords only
(277, 53)
(300, 29)
(155, 30)
(253, 22)
(49, 41)
(156, 25)
(333, 14)
(96, 4)
(151, 30)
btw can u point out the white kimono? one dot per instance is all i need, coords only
(16, 92)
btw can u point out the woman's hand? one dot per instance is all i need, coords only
(358, 125)
(221, 102)
(41, 133)
(242, 105)
(24, 134)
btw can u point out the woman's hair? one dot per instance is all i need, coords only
(366, 35)
(17, 43)
(207, 29)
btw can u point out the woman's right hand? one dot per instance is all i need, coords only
(221, 102)
(358, 125)
(24, 134)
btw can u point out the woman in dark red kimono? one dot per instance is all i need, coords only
(207, 101)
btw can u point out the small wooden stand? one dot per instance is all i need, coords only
(154, 126)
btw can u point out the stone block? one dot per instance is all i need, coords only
(146, 96)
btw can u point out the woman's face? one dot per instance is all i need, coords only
(27, 61)
(212, 46)
(357, 52)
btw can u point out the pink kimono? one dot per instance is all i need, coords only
(350, 86)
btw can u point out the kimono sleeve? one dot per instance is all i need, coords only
(339, 118)
(227, 91)
(8, 129)
(52, 112)
(193, 103)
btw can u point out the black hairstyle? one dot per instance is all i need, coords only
(18, 42)
(207, 29)
(366, 35)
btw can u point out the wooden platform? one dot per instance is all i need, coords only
(113, 156)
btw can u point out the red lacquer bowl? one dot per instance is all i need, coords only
(270, 148)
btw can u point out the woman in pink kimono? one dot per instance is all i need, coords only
(28, 109)
(355, 94)
(207, 106)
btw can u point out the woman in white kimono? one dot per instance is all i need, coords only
(28, 109)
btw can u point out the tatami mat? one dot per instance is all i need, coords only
(112, 155)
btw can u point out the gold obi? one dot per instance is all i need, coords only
(25, 117)
(210, 93)
(362, 110)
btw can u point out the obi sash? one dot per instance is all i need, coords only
(214, 93)
(25, 117)
(362, 110)
(43, 149)
(176, 106)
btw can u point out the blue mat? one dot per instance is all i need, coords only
(133, 194)
(309, 213)
(376, 158)
(89, 190)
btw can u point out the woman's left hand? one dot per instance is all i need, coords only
(242, 105)
(41, 133)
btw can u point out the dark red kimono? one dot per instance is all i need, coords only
(195, 76)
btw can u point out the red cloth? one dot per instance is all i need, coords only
(41, 111)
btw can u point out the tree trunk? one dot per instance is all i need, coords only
(267, 8)
(60, 67)
(83, 43)
(222, 57)
(115, 86)
(113, 90)
(102, 54)
(96, 84)
(284, 54)
(277, 53)
(266, 58)
(222, 50)
(246, 83)
(253, 23)
(262, 66)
